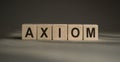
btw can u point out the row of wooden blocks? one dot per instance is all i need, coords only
(59, 32)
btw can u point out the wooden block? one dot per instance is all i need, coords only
(59, 31)
(75, 32)
(90, 32)
(28, 31)
(44, 31)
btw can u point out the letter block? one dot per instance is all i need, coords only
(90, 32)
(59, 31)
(44, 31)
(75, 32)
(29, 32)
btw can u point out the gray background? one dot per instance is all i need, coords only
(16, 12)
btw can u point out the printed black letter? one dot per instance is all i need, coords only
(29, 32)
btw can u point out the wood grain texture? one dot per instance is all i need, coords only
(75, 32)
(44, 31)
(29, 31)
(59, 31)
(90, 32)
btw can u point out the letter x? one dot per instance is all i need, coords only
(44, 32)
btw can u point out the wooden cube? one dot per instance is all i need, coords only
(44, 31)
(59, 31)
(90, 32)
(75, 32)
(28, 31)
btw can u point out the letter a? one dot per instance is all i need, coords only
(29, 32)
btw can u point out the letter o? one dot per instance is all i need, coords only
(73, 33)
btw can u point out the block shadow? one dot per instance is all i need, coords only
(13, 38)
